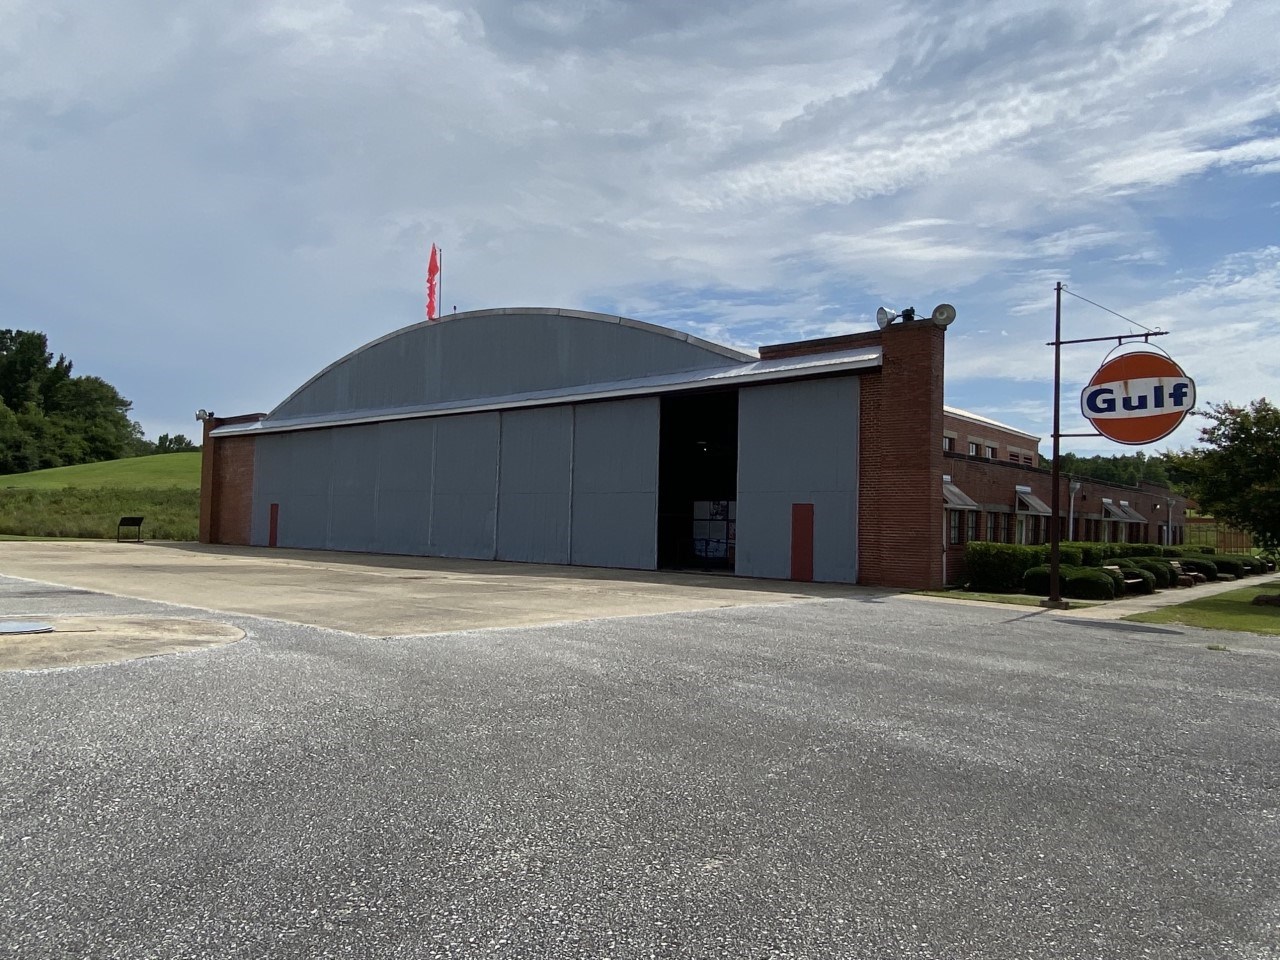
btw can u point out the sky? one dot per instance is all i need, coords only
(206, 206)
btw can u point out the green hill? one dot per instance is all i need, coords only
(88, 500)
(180, 470)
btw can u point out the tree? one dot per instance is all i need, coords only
(175, 444)
(48, 418)
(1125, 468)
(1236, 474)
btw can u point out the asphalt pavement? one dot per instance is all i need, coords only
(860, 776)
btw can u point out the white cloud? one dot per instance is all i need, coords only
(251, 188)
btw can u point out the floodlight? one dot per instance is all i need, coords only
(943, 314)
(885, 316)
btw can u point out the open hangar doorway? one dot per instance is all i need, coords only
(698, 480)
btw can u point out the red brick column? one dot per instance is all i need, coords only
(900, 505)
(226, 483)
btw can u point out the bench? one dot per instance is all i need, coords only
(1131, 577)
(1186, 578)
(135, 522)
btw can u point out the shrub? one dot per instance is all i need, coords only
(1116, 578)
(998, 567)
(1160, 569)
(1069, 554)
(1139, 549)
(1090, 583)
(1231, 565)
(1249, 564)
(1148, 584)
(1201, 565)
(1036, 580)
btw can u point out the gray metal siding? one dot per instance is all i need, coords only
(493, 355)
(553, 485)
(403, 494)
(295, 471)
(798, 443)
(533, 500)
(463, 496)
(615, 484)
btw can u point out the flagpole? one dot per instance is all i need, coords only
(439, 280)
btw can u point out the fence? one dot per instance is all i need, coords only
(1208, 532)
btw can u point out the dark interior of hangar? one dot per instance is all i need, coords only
(698, 480)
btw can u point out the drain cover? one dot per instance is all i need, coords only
(8, 627)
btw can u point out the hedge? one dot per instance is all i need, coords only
(1201, 565)
(1236, 566)
(1162, 570)
(1080, 583)
(1090, 583)
(1249, 564)
(998, 567)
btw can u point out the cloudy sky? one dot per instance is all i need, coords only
(207, 206)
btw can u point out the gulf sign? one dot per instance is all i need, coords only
(1138, 397)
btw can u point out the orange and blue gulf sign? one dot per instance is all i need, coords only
(1138, 397)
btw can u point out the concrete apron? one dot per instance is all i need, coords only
(374, 595)
(84, 641)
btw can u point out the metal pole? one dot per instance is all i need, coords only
(1055, 533)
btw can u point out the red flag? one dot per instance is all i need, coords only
(433, 277)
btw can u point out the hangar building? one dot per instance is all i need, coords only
(565, 437)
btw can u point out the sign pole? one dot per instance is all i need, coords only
(1055, 531)
(1160, 383)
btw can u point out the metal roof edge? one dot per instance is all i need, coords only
(758, 371)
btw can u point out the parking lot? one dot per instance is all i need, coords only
(391, 763)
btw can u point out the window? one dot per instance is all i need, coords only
(948, 444)
(993, 527)
(1026, 458)
(971, 525)
(953, 526)
(1013, 456)
(992, 453)
(973, 449)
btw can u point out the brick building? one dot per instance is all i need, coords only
(558, 436)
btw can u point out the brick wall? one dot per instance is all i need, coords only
(965, 430)
(993, 485)
(900, 516)
(226, 484)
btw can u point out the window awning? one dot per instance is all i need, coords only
(1112, 511)
(1030, 503)
(957, 499)
(1133, 515)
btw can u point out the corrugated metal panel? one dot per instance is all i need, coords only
(798, 443)
(464, 495)
(403, 507)
(533, 489)
(615, 484)
(353, 489)
(492, 353)
(295, 471)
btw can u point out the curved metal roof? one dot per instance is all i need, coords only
(497, 353)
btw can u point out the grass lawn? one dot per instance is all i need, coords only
(1226, 611)
(180, 470)
(87, 500)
